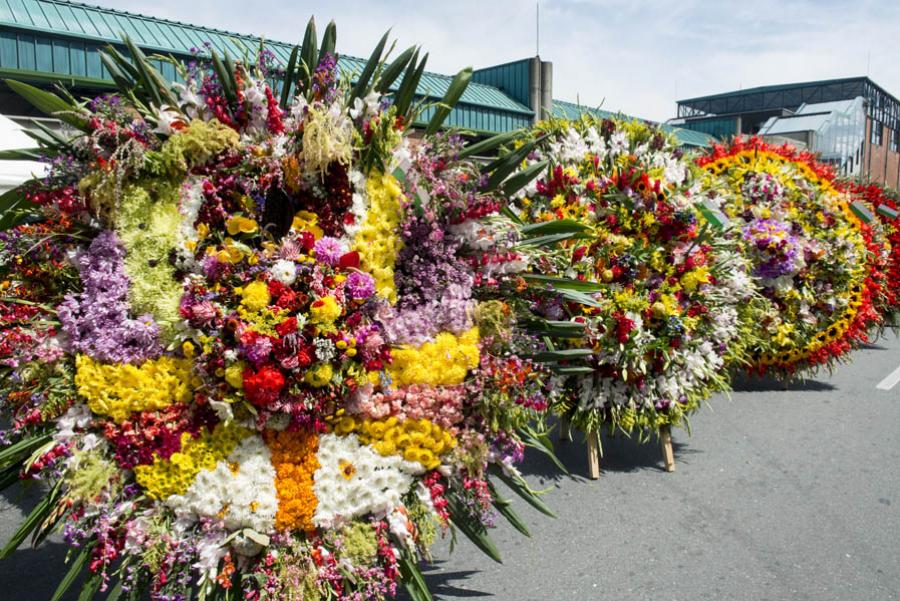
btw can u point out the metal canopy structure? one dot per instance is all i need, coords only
(881, 106)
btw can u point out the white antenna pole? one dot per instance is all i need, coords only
(868, 62)
(537, 28)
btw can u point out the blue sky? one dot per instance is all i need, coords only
(638, 57)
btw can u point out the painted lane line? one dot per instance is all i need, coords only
(890, 381)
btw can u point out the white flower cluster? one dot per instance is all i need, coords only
(354, 480)
(240, 490)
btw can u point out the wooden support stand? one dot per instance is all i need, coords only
(593, 441)
(665, 440)
(565, 430)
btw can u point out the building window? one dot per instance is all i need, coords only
(877, 132)
(895, 140)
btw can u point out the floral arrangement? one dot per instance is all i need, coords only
(243, 341)
(647, 299)
(885, 205)
(818, 266)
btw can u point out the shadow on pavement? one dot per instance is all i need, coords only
(619, 453)
(439, 583)
(745, 383)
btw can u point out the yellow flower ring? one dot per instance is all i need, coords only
(798, 190)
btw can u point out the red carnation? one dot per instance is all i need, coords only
(263, 387)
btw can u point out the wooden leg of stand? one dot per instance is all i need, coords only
(665, 439)
(593, 441)
(565, 429)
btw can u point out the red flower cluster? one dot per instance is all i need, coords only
(262, 387)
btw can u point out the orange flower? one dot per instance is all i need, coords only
(295, 462)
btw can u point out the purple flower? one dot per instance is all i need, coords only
(360, 285)
(328, 250)
(96, 321)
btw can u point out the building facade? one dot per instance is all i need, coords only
(853, 123)
(44, 42)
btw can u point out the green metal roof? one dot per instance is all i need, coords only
(687, 137)
(57, 39)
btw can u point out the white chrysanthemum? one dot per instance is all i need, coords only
(240, 490)
(284, 271)
(354, 480)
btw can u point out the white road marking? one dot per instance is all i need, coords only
(890, 381)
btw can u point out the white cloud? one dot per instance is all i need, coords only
(638, 57)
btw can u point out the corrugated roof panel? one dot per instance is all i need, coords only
(36, 14)
(106, 24)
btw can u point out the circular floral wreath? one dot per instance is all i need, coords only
(621, 250)
(885, 206)
(243, 343)
(817, 265)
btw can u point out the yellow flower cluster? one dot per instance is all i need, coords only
(325, 311)
(172, 476)
(377, 241)
(416, 440)
(444, 362)
(255, 296)
(695, 277)
(120, 390)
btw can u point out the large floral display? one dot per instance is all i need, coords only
(646, 297)
(886, 208)
(818, 265)
(243, 346)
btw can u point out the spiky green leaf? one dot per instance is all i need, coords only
(454, 93)
(49, 104)
(393, 71)
(361, 87)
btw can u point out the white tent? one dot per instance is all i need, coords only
(13, 173)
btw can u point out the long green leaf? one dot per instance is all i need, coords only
(502, 167)
(407, 90)
(329, 41)
(74, 570)
(49, 104)
(521, 488)
(15, 208)
(148, 82)
(549, 239)
(289, 74)
(557, 226)
(309, 51)
(124, 83)
(454, 93)
(562, 283)
(579, 297)
(23, 154)
(22, 448)
(474, 533)
(486, 146)
(116, 592)
(393, 70)
(523, 178)
(412, 577)
(540, 442)
(361, 87)
(563, 355)
(34, 519)
(504, 508)
(90, 588)
(571, 370)
(225, 78)
(8, 477)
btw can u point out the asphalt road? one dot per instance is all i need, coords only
(778, 495)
